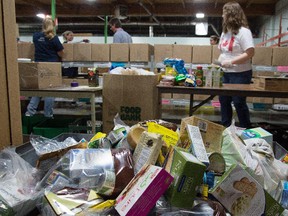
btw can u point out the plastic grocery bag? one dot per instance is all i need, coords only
(18, 181)
(257, 156)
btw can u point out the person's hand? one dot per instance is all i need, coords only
(226, 64)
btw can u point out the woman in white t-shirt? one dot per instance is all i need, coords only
(237, 49)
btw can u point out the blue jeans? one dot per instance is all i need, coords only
(48, 106)
(239, 102)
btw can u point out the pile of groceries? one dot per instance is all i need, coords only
(178, 74)
(151, 168)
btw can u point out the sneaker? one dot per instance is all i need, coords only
(28, 114)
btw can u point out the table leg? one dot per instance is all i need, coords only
(93, 115)
(191, 105)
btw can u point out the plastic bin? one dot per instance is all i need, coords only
(51, 128)
(28, 122)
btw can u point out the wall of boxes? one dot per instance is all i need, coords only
(191, 54)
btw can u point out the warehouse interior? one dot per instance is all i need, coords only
(192, 163)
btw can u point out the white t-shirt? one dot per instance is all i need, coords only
(234, 45)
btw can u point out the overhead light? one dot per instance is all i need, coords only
(200, 15)
(41, 15)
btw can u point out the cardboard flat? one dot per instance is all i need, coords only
(26, 50)
(100, 52)
(68, 52)
(162, 51)
(202, 54)
(119, 52)
(82, 51)
(141, 52)
(280, 57)
(183, 52)
(262, 56)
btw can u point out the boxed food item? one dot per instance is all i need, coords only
(141, 52)
(100, 52)
(258, 132)
(147, 150)
(188, 173)
(119, 52)
(40, 75)
(241, 194)
(211, 133)
(143, 191)
(120, 96)
(197, 146)
(82, 51)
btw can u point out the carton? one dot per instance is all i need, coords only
(257, 133)
(162, 51)
(183, 52)
(280, 56)
(188, 173)
(119, 52)
(262, 56)
(143, 191)
(241, 194)
(100, 52)
(40, 75)
(82, 51)
(68, 52)
(26, 50)
(141, 52)
(134, 97)
(211, 133)
(147, 150)
(197, 146)
(202, 54)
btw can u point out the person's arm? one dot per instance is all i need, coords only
(61, 53)
(248, 54)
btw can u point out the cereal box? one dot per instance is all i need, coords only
(241, 194)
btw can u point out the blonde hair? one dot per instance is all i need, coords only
(48, 27)
(233, 18)
(64, 34)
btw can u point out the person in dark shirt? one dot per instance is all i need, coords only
(71, 72)
(48, 48)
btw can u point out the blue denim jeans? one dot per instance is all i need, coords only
(239, 102)
(48, 106)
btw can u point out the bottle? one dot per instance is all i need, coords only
(93, 78)
(199, 76)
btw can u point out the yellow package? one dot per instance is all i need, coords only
(169, 137)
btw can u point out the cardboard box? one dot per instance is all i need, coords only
(262, 56)
(162, 51)
(82, 51)
(68, 52)
(202, 54)
(40, 75)
(280, 57)
(141, 52)
(100, 52)
(211, 132)
(134, 97)
(241, 194)
(26, 50)
(272, 83)
(183, 52)
(257, 133)
(188, 173)
(215, 53)
(119, 52)
(143, 191)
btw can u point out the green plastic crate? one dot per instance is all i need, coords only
(28, 122)
(51, 128)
